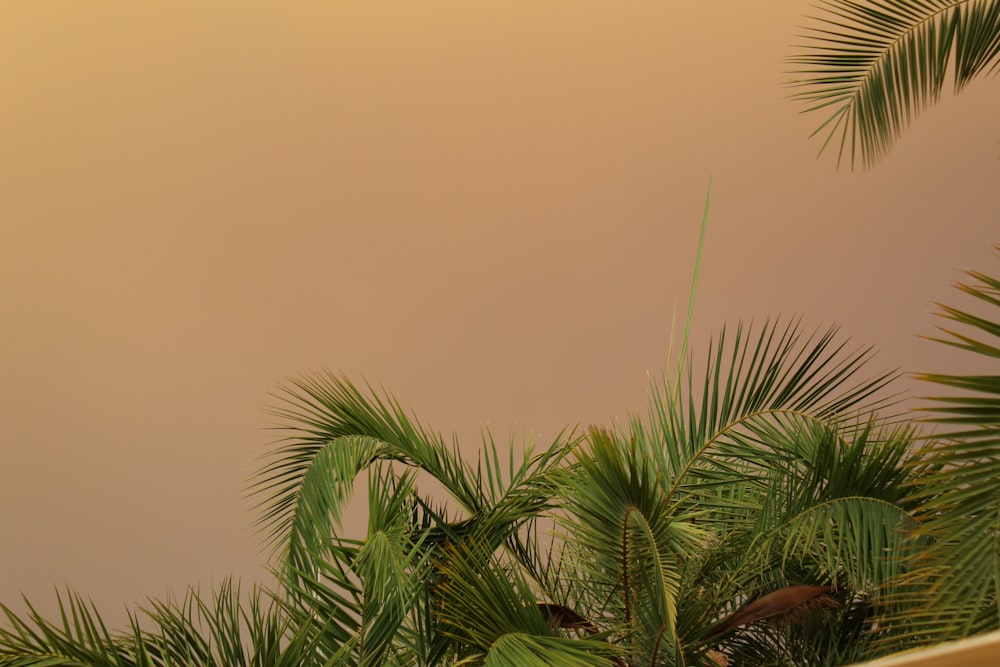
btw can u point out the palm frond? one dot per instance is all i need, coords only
(491, 606)
(841, 504)
(960, 494)
(626, 540)
(482, 599)
(874, 65)
(227, 630)
(391, 565)
(322, 415)
(334, 430)
(526, 650)
(79, 639)
(779, 376)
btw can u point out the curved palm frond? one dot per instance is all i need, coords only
(842, 507)
(334, 431)
(327, 411)
(627, 541)
(874, 65)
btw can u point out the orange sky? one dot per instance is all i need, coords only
(492, 208)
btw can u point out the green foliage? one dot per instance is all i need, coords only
(761, 512)
(776, 475)
(874, 65)
(955, 593)
(230, 630)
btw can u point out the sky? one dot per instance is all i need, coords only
(492, 209)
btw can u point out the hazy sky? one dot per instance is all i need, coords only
(490, 207)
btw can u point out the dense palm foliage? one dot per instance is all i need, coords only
(873, 65)
(661, 528)
(768, 508)
(760, 512)
(765, 477)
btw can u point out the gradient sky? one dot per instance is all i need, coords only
(491, 208)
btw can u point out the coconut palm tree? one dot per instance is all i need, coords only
(873, 65)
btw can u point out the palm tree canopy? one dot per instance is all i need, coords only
(873, 66)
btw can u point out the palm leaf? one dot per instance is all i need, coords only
(773, 456)
(228, 630)
(760, 385)
(491, 606)
(328, 411)
(961, 493)
(525, 650)
(79, 639)
(334, 430)
(627, 541)
(873, 66)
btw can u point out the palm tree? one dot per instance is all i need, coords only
(873, 65)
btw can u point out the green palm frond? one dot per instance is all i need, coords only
(358, 600)
(326, 606)
(629, 541)
(489, 604)
(873, 65)
(842, 509)
(228, 630)
(775, 458)
(79, 639)
(391, 565)
(328, 411)
(756, 387)
(525, 650)
(960, 494)
(483, 598)
(334, 430)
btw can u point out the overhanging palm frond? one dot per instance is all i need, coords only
(874, 65)
(328, 411)
(334, 430)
